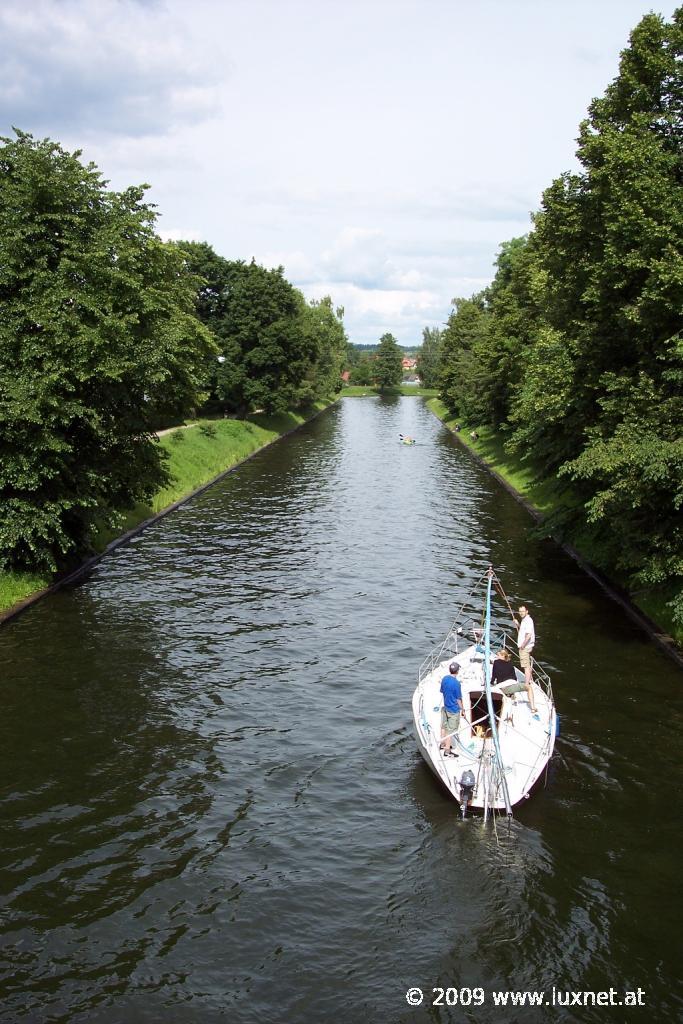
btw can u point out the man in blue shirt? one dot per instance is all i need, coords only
(452, 706)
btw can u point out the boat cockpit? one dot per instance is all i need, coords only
(479, 715)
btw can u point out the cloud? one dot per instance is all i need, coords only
(384, 283)
(372, 313)
(383, 287)
(361, 255)
(484, 203)
(103, 69)
(381, 159)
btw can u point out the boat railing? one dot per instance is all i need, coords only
(469, 631)
(542, 679)
(462, 634)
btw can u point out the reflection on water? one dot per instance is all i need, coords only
(213, 805)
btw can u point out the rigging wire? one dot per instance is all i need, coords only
(489, 700)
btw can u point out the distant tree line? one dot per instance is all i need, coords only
(379, 366)
(107, 333)
(575, 351)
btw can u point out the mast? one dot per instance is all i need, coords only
(489, 699)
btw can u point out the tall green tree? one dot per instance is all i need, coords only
(353, 355)
(611, 244)
(267, 352)
(487, 341)
(98, 343)
(323, 327)
(388, 368)
(577, 343)
(463, 386)
(514, 321)
(214, 277)
(362, 371)
(429, 357)
(268, 343)
(609, 239)
(305, 341)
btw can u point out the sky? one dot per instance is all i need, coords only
(381, 151)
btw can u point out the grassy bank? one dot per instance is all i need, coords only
(359, 390)
(544, 495)
(548, 496)
(196, 455)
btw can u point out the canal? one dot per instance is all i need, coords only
(213, 808)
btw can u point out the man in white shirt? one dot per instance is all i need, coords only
(526, 638)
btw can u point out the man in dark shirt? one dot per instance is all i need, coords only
(452, 707)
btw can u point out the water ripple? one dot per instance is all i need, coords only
(214, 808)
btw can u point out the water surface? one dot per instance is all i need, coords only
(213, 807)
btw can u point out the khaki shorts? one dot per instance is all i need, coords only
(450, 720)
(525, 659)
(511, 688)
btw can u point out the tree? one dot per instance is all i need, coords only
(463, 388)
(611, 244)
(485, 346)
(634, 467)
(276, 349)
(323, 328)
(514, 322)
(353, 355)
(258, 319)
(214, 278)
(429, 357)
(577, 344)
(388, 368)
(98, 342)
(267, 352)
(609, 238)
(362, 371)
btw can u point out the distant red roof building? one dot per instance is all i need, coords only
(346, 376)
(408, 364)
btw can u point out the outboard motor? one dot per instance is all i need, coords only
(467, 784)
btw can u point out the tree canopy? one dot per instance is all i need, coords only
(108, 333)
(429, 357)
(323, 327)
(276, 351)
(388, 366)
(576, 348)
(98, 342)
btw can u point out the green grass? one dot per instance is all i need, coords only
(410, 390)
(548, 496)
(197, 454)
(545, 495)
(655, 605)
(201, 452)
(15, 586)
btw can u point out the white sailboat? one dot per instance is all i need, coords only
(501, 746)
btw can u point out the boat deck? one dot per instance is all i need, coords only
(526, 741)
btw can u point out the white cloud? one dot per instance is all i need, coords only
(100, 69)
(381, 152)
(403, 313)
